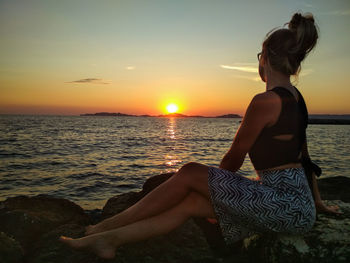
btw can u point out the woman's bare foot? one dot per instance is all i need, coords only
(96, 243)
(98, 228)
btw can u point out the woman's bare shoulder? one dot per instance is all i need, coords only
(267, 100)
(264, 108)
(266, 96)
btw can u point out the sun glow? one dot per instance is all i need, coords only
(172, 108)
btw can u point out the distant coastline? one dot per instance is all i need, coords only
(178, 115)
(313, 118)
(332, 119)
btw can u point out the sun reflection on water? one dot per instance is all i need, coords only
(171, 128)
(171, 158)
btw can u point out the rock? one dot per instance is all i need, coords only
(154, 181)
(95, 215)
(10, 249)
(184, 244)
(57, 210)
(27, 218)
(119, 203)
(50, 249)
(35, 223)
(24, 227)
(213, 235)
(328, 241)
(266, 246)
(335, 188)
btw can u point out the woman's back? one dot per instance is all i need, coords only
(281, 143)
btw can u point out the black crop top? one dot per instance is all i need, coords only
(267, 151)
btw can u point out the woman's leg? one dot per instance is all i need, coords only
(105, 243)
(191, 177)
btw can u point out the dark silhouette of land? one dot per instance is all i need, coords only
(313, 118)
(107, 114)
(178, 115)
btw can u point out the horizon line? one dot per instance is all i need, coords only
(140, 115)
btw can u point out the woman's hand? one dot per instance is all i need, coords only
(322, 208)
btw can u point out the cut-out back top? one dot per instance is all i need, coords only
(269, 151)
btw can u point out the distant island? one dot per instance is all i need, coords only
(178, 115)
(313, 118)
(108, 114)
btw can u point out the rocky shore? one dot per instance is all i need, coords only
(30, 227)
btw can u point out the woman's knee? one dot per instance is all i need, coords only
(194, 175)
(193, 168)
(188, 167)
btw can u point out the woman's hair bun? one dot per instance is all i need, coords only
(295, 22)
(305, 30)
(286, 48)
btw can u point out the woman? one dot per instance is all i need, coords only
(272, 132)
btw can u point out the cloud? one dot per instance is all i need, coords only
(89, 80)
(248, 69)
(130, 68)
(337, 13)
(305, 72)
(256, 79)
(307, 4)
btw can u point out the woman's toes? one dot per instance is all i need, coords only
(66, 240)
(96, 243)
(74, 243)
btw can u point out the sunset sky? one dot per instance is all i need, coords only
(136, 57)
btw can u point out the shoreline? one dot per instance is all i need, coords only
(331, 188)
(323, 182)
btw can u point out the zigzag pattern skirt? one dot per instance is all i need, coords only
(277, 201)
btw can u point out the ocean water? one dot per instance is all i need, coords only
(88, 159)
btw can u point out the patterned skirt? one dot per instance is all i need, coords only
(277, 201)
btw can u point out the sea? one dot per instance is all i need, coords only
(89, 159)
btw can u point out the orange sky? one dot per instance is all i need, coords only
(124, 56)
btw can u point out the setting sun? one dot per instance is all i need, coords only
(172, 108)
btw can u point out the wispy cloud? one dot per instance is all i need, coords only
(248, 69)
(89, 80)
(337, 13)
(130, 68)
(306, 4)
(305, 72)
(256, 79)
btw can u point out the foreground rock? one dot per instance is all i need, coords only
(10, 250)
(48, 249)
(120, 202)
(329, 241)
(335, 188)
(31, 227)
(27, 218)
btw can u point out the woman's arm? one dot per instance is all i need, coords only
(320, 206)
(261, 111)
